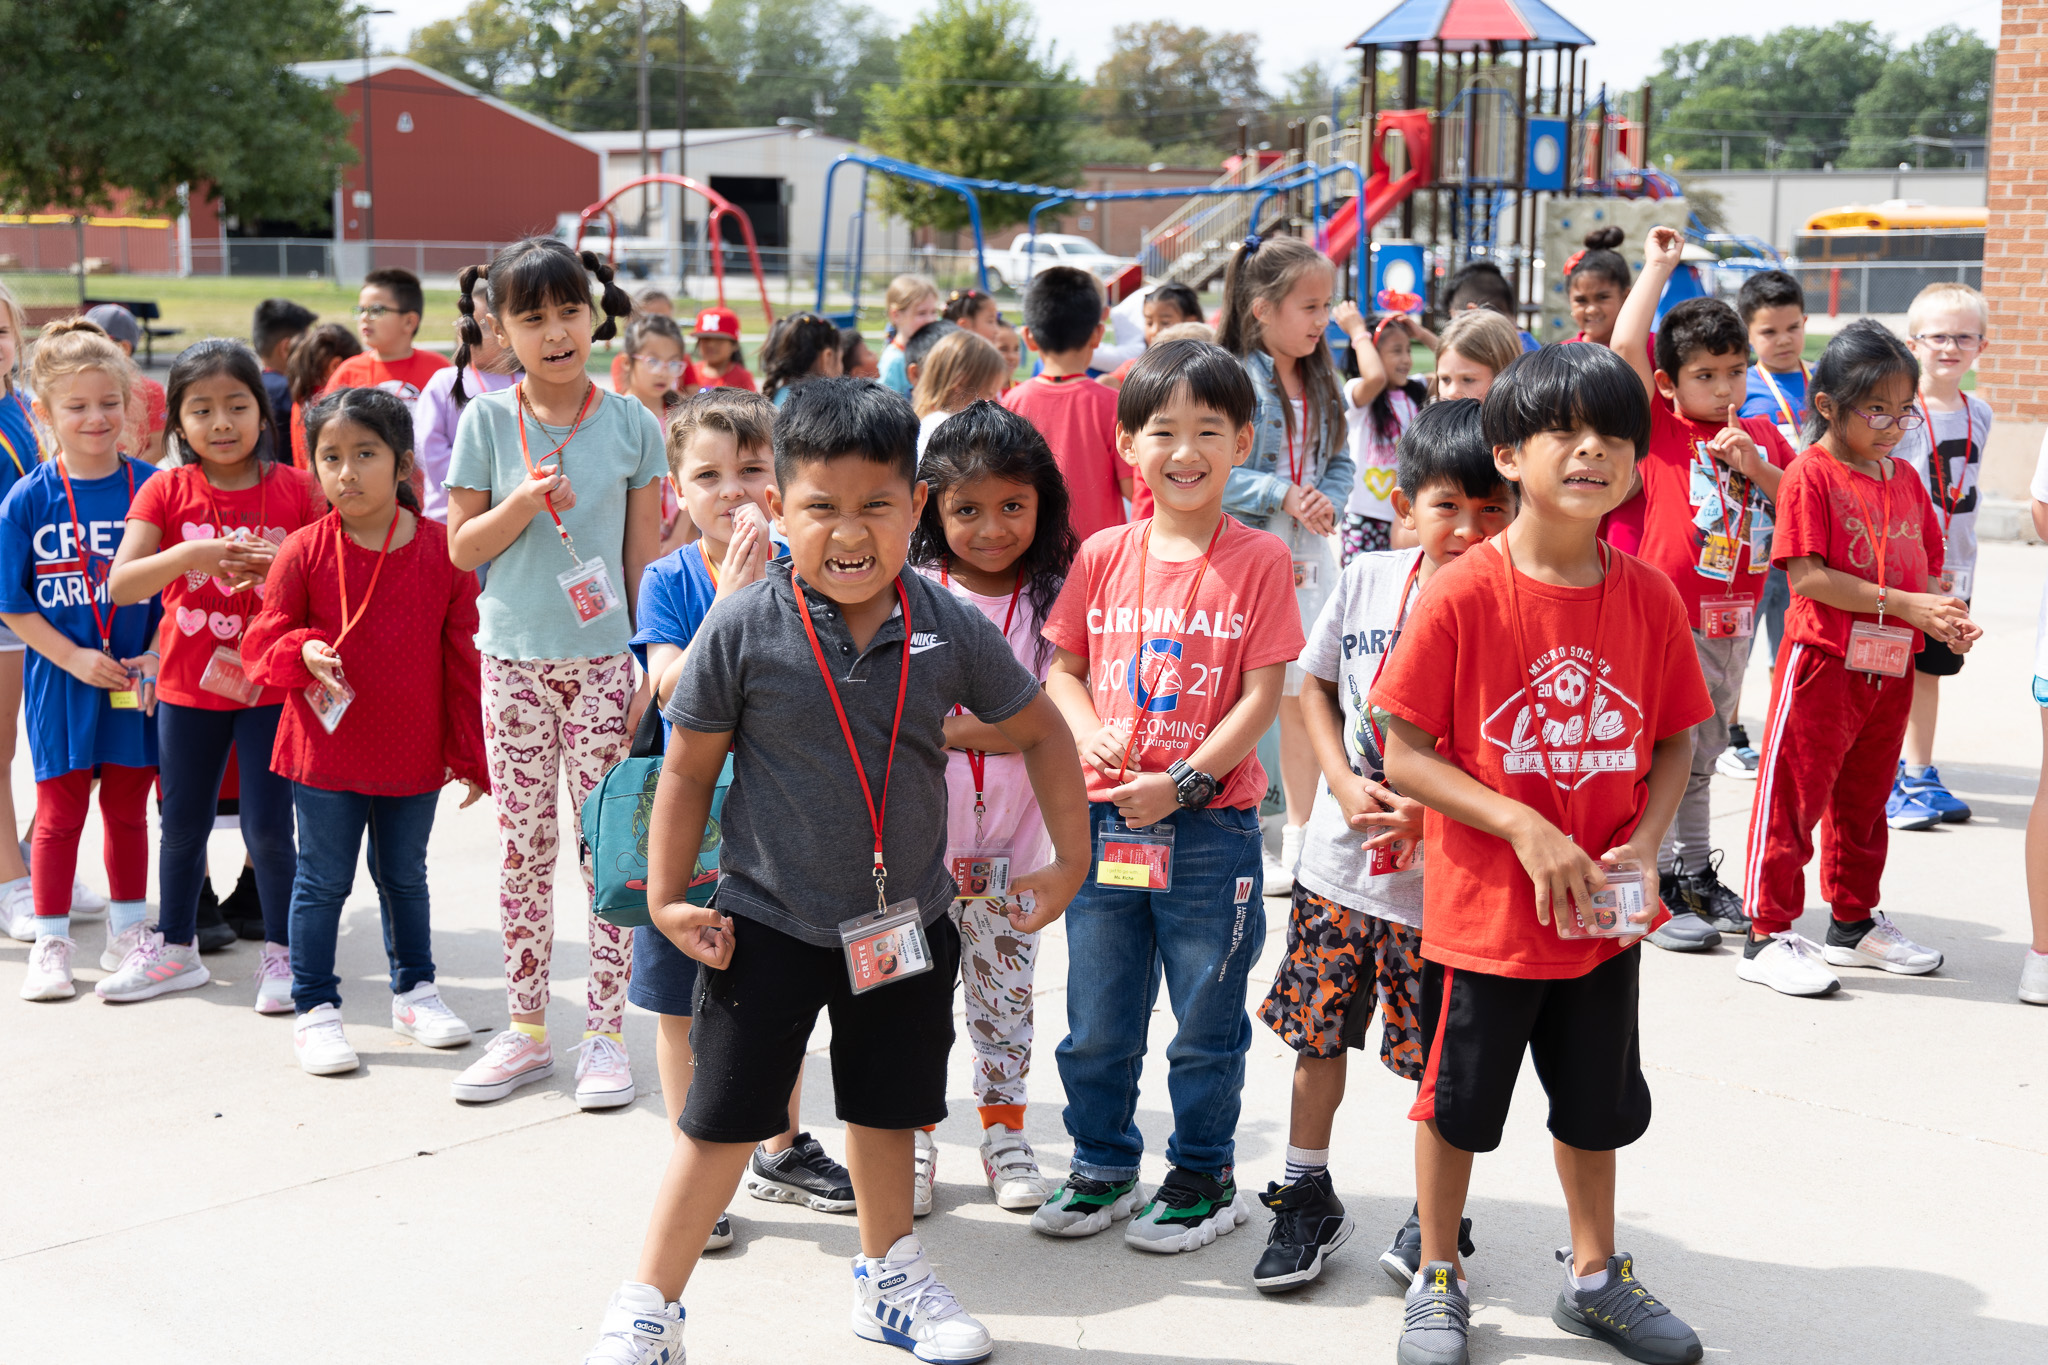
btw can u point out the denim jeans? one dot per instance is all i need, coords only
(331, 826)
(1202, 938)
(192, 756)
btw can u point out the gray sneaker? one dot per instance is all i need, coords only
(1434, 1330)
(1624, 1315)
(1686, 933)
(1404, 1257)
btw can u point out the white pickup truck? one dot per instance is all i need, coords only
(1028, 256)
(636, 256)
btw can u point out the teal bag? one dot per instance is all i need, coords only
(615, 824)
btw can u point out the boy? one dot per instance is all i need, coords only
(791, 673)
(1187, 620)
(1356, 933)
(1077, 416)
(278, 325)
(1558, 677)
(1773, 309)
(1480, 284)
(1706, 481)
(388, 318)
(1946, 326)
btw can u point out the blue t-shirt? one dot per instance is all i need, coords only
(1529, 343)
(675, 592)
(72, 725)
(1759, 401)
(18, 445)
(896, 369)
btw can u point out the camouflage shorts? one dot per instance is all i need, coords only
(1339, 964)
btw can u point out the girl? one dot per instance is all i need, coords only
(1276, 306)
(554, 481)
(1596, 281)
(204, 535)
(806, 347)
(960, 370)
(1476, 346)
(655, 363)
(19, 451)
(370, 584)
(1380, 400)
(91, 683)
(442, 398)
(313, 361)
(856, 360)
(995, 530)
(975, 311)
(719, 358)
(1012, 347)
(1861, 544)
(912, 304)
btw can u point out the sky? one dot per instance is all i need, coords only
(1625, 50)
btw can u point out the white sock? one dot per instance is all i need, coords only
(124, 915)
(1596, 1280)
(53, 926)
(1303, 1162)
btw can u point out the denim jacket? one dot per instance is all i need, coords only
(1259, 485)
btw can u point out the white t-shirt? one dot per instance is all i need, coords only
(1372, 491)
(1346, 645)
(1959, 439)
(926, 425)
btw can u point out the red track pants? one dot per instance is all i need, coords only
(60, 819)
(1831, 749)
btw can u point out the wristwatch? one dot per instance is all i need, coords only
(1194, 789)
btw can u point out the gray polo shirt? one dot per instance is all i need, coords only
(798, 851)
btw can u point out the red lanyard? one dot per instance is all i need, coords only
(1293, 464)
(1729, 524)
(1141, 692)
(85, 555)
(1935, 470)
(1564, 802)
(1881, 533)
(519, 414)
(876, 814)
(1400, 617)
(348, 622)
(977, 759)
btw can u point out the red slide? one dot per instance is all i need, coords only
(1382, 192)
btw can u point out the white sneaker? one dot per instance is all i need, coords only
(899, 1301)
(1886, 949)
(419, 1014)
(18, 914)
(604, 1076)
(2034, 978)
(274, 980)
(924, 1165)
(638, 1329)
(1011, 1168)
(87, 905)
(321, 1045)
(153, 969)
(49, 970)
(1280, 872)
(120, 945)
(1791, 965)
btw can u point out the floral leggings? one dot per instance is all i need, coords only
(996, 967)
(544, 717)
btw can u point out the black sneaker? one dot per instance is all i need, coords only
(802, 1174)
(214, 933)
(721, 1235)
(1404, 1257)
(242, 910)
(1713, 902)
(1622, 1314)
(1309, 1223)
(1433, 1328)
(1687, 931)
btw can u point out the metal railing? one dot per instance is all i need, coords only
(1878, 286)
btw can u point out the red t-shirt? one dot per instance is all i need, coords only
(154, 405)
(1195, 655)
(1826, 509)
(1677, 475)
(406, 377)
(1077, 417)
(202, 616)
(735, 377)
(1456, 675)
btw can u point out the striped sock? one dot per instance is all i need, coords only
(1303, 1162)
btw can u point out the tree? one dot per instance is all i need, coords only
(1938, 88)
(975, 99)
(106, 96)
(1168, 84)
(800, 59)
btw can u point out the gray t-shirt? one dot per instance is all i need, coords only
(798, 851)
(1346, 644)
(523, 612)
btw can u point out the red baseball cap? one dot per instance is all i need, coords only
(719, 322)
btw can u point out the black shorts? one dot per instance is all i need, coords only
(754, 1020)
(1937, 660)
(1580, 1032)
(664, 976)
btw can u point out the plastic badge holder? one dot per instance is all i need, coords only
(1613, 913)
(1401, 857)
(1308, 573)
(1885, 651)
(980, 874)
(1727, 618)
(884, 946)
(225, 677)
(127, 698)
(328, 706)
(589, 589)
(1139, 859)
(1955, 582)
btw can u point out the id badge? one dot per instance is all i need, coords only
(1727, 618)
(1384, 862)
(1308, 573)
(1885, 651)
(1717, 557)
(329, 706)
(1613, 912)
(1760, 546)
(884, 946)
(589, 589)
(980, 874)
(1138, 858)
(225, 677)
(1956, 582)
(128, 698)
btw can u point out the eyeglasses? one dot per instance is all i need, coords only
(668, 367)
(1885, 421)
(1959, 341)
(375, 311)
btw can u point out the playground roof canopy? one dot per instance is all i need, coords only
(1461, 25)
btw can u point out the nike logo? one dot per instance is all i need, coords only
(922, 641)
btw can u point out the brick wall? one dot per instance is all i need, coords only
(2013, 375)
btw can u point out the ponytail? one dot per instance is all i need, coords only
(1268, 269)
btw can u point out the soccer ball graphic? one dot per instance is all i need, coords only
(1570, 687)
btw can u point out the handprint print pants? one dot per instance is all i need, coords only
(996, 967)
(546, 719)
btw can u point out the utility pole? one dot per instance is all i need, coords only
(682, 142)
(643, 116)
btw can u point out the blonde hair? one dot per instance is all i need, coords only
(20, 316)
(1186, 331)
(961, 368)
(1483, 337)
(1935, 297)
(71, 347)
(741, 413)
(905, 290)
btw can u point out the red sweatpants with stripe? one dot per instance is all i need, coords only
(1831, 749)
(60, 820)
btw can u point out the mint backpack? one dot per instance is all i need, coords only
(615, 824)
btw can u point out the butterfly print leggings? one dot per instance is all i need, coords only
(545, 719)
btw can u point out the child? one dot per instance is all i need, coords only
(91, 682)
(1063, 324)
(365, 606)
(388, 315)
(313, 362)
(1167, 305)
(1355, 937)
(1479, 286)
(1947, 323)
(20, 449)
(912, 304)
(147, 409)
(856, 359)
(798, 858)
(1276, 307)
(554, 483)
(1839, 703)
(1472, 352)
(1773, 309)
(1168, 673)
(805, 347)
(922, 345)
(975, 311)
(1380, 400)
(1011, 344)
(1541, 705)
(1706, 480)
(491, 367)
(994, 531)
(648, 302)
(277, 327)
(720, 361)
(1596, 280)
(655, 362)
(203, 536)
(961, 369)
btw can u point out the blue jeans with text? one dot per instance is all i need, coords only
(331, 829)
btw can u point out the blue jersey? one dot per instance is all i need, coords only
(45, 571)
(19, 449)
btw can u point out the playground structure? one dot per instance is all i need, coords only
(720, 210)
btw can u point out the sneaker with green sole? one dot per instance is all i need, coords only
(1083, 1207)
(1624, 1315)
(1189, 1210)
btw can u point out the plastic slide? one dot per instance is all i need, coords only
(1383, 193)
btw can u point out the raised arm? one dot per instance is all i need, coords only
(1631, 339)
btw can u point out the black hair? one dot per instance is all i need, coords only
(1210, 375)
(831, 419)
(1269, 268)
(402, 285)
(1563, 387)
(1858, 358)
(851, 343)
(987, 440)
(1699, 327)
(384, 415)
(963, 304)
(1446, 443)
(1483, 283)
(1062, 307)
(791, 353)
(645, 325)
(1601, 259)
(1386, 424)
(1769, 289)
(928, 336)
(1180, 296)
(277, 319)
(317, 352)
(203, 360)
(528, 274)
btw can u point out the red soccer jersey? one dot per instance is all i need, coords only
(1194, 654)
(406, 377)
(1689, 497)
(1827, 509)
(1602, 708)
(1077, 417)
(735, 377)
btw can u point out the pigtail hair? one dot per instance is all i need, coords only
(616, 303)
(468, 330)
